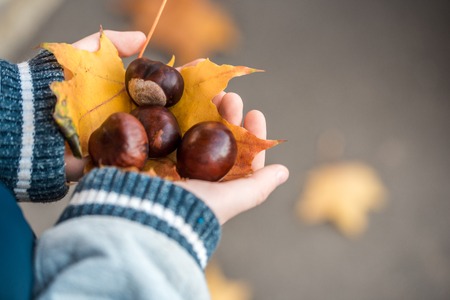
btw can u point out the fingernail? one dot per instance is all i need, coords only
(282, 176)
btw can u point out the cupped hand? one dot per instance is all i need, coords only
(229, 199)
(226, 199)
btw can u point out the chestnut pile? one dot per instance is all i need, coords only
(207, 151)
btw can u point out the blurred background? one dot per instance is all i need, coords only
(346, 81)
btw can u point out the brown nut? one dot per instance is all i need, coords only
(208, 150)
(163, 131)
(151, 82)
(120, 141)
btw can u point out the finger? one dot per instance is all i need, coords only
(255, 122)
(218, 98)
(127, 42)
(228, 199)
(231, 108)
(249, 192)
(74, 166)
(89, 43)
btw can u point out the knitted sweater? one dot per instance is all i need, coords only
(31, 148)
(124, 235)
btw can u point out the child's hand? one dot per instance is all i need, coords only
(127, 43)
(228, 199)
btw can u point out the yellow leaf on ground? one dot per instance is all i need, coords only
(222, 288)
(343, 194)
(93, 92)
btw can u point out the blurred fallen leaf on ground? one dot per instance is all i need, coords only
(343, 194)
(222, 288)
(188, 29)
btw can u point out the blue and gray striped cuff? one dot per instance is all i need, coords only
(149, 201)
(31, 146)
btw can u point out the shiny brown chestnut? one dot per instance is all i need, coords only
(151, 82)
(208, 150)
(120, 141)
(163, 131)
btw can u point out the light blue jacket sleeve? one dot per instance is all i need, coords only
(127, 236)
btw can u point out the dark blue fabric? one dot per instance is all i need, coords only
(16, 249)
(48, 182)
(10, 123)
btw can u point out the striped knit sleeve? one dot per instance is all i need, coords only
(149, 201)
(31, 146)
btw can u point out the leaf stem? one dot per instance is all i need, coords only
(150, 33)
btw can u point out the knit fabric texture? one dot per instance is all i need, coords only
(31, 146)
(150, 201)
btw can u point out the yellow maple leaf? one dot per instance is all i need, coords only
(343, 194)
(94, 90)
(189, 29)
(202, 82)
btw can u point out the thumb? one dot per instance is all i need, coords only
(230, 198)
(126, 42)
(249, 192)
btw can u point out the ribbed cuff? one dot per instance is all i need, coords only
(149, 201)
(31, 146)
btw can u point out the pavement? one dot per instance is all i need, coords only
(375, 72)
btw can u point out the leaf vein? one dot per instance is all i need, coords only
(101, 104)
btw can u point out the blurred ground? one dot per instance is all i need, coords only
(376, 72)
